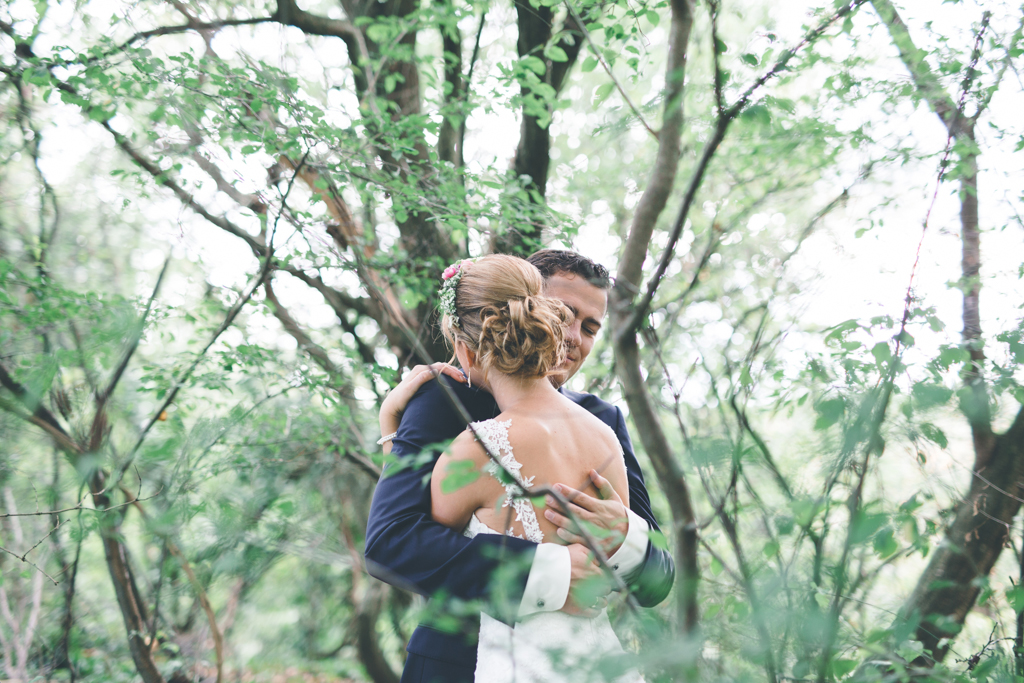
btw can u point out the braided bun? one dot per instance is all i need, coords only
(506, 321)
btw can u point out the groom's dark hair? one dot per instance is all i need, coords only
(555, 261)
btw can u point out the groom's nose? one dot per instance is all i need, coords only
(574, 336)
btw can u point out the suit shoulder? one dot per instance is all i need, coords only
(432, 400)
(429, 417)
(597, 406)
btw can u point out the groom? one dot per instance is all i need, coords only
(405, 547)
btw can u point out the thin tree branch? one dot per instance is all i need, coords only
(639, 312)
(179, 382)
(100, 419)
(604, 65)
(716, 57)
(31, 564)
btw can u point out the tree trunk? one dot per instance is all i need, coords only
(947, 590)
(625, 338)
(533, 153)
(368, 608)
(128, 599)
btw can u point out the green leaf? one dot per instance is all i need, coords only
(378, 33)
(652, 17)
(458, 474)
(829, 412)
(911, 504)
(757, 113)
(603, 91)
(749, 59)
(865, 524)
(804, 510)
(881, 352)
(841, 667)
(933, 433)
(927, 395)
(1015, 596)
(885, 542)
(910, 650)
(534, 64)
(589, 64)
(556, 54)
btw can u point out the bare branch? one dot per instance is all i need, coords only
(288, 12)
(31, 564)
(306, 344)
(32, 410)
(253, 202)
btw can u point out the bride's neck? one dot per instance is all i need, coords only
(512, 392)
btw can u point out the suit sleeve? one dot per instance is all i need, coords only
(407, 548)
(652, 580)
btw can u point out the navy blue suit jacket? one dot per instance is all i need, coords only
(407, 548)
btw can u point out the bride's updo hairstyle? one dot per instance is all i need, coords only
(501, 315)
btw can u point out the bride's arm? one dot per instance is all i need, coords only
(459, 486)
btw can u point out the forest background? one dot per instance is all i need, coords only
(221, 232)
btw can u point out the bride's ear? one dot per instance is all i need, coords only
(466, 356)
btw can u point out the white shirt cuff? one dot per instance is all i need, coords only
(547, 586)
(631, 553)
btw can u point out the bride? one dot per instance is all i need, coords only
(509, 339)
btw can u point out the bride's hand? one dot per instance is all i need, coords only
(398, 398)
(607, 513)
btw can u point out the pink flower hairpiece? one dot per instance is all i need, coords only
(446, 295)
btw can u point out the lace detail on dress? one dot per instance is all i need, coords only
(494, 434)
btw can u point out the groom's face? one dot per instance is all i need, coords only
(589, 304)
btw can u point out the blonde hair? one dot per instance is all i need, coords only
(505, 320)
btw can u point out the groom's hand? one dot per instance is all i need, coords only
(606, 513)
(588, 589)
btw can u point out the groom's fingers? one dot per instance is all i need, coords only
(604, 487)
(579, 498)
(557, 519)
(570, 537)
(555, 516)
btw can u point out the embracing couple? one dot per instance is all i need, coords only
(520, 329)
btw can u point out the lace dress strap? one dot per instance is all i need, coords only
(494, 434)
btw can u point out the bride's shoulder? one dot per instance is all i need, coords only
(466, 447)
(522, 430)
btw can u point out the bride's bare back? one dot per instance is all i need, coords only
(555, 441)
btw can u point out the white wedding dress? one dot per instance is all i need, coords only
(546, 647)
